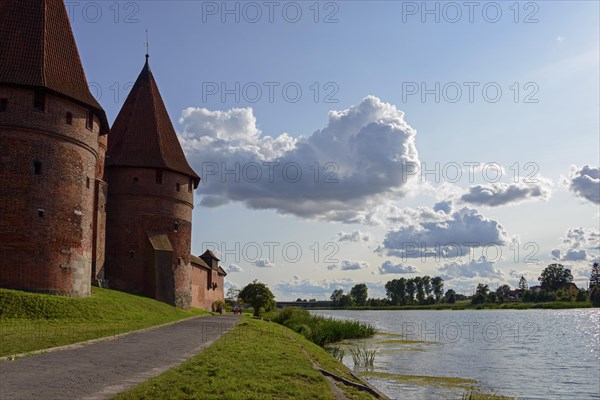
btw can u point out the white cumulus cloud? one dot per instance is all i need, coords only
(389, 267)
(585, 182)
(354, 236)
(349, 265)
(444, 235)
(234, 268)
(361, 156)
(499, 194)
(264, 263)
(480, 268)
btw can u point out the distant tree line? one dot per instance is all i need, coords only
(413, 291)
(556, 284)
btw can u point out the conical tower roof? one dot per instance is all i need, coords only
(38, 50)
(143, 135)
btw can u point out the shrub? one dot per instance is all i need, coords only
(581, 295)
(321, 330)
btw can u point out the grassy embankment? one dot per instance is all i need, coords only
(31, 322)
(466, 305)
(256, 360)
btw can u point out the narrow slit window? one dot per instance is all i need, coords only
(190, 185)
(3, 105)
(69, 118)
(178, 187)
(39, 101)
(176, 226)
(41, 213)
(90, 121)
(131, 254)
(37, 167)
(87, 182)
(159, 177)
(135, 181)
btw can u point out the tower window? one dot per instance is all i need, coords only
(131, 254)
(176, 226)
(90, 121)
(159, 176)
(190, 185)
(178, 187)
(135, 181)
(3, 105)
(39, 101)
(37, 167)
(41, 213)
(87, 182)
(69, 118)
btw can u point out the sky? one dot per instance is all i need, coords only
(345, 142)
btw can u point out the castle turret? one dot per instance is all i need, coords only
(51, 135)
(150, 200)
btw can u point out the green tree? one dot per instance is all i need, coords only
(396, 291)
(581, 295)
(479, 298)
(502, 293)
(491, 297)
(482, 289)
(258, 295)
(595, 296)
(427, 286)
(232, 295)
(523, 286)
(595, 275)
(411, 288)
(336, 296)
(419, 284)
(555, 277)
(450, 296)
(346, 301)
(359, 294)
(438, 287)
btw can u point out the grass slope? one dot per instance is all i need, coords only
(31, 321)
(256, 360)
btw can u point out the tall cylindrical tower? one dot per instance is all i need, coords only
(50, 129)
(150, 200)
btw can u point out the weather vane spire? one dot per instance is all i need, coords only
(147, 45)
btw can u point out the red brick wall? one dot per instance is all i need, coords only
(133, 211)
(99, 222)
(52, 253)
(202, 296)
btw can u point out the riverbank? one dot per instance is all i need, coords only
(256, 360)
(31, 322)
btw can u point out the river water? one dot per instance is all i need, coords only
(526, 354)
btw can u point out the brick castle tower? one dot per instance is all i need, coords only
(52, 144)
(150, 200)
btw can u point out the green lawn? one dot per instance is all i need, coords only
(256, 360)
(36, 321)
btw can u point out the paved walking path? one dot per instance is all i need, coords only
(101, 370)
